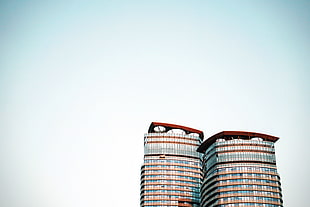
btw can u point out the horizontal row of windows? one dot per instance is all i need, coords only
(173, 191)
(244, 141)
(254, 175)
(171, 182)
(181, 146)
(259, 187)
(241, 154)
(249, 198)
(171, 177)
(174, 151)
(166, 186)
(244, 147)
(170, 157)
(169, 201)
(171, 172)
(248, 174)
(161, 139)
(248, 204)
(171, 167)
(245, 169)
(247, 181)
(266, 193)
(243, 186)
(246, 165)
(167, 197)
(175, 205)
(171, 135)
(156, 160)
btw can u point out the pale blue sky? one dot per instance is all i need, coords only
(81, 81)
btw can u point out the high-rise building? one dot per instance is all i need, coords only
(239, 169)
(171, 172)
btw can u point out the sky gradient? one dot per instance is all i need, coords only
(81, 81)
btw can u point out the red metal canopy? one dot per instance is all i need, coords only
(174, 126)
(228, 135)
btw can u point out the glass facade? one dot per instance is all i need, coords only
(239, 169)
(171, 173)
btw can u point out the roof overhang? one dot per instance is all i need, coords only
(228, 135)
(168, 127)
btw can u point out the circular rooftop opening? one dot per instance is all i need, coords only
(159, 129)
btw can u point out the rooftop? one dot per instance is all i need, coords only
(168, 127)
(229, 135)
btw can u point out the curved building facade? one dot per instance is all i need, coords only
(171, 173)
(239, 169)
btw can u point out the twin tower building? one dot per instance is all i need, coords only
(231, 168)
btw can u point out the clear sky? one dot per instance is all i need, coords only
(81, 81)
